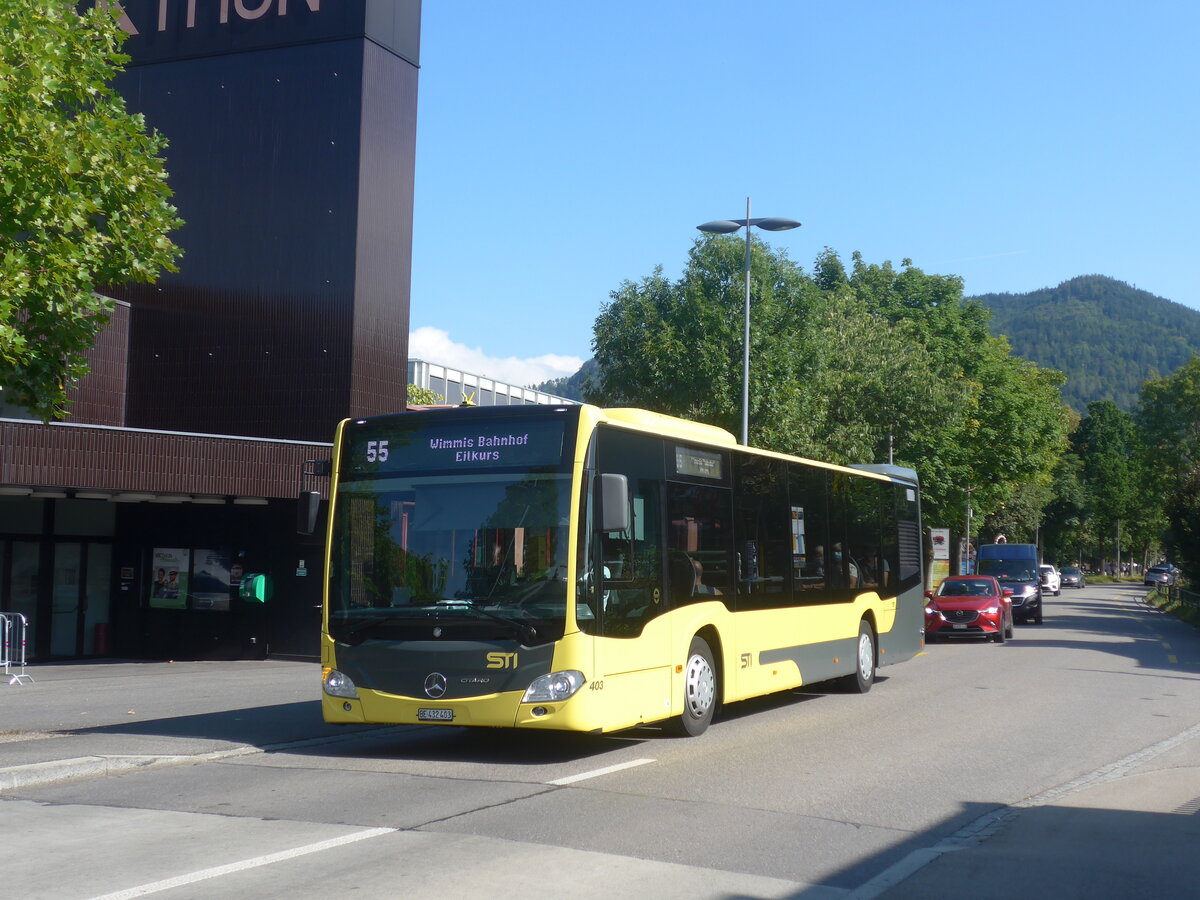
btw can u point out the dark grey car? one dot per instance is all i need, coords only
(1072, 576)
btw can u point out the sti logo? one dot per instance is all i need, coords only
(220, 11)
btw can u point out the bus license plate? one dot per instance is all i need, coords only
(435, 715)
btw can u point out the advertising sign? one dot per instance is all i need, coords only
(939, 568)
(211, 580)
(169, 578)
(941, 542)
(161, 30)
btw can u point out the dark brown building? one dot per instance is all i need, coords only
(292, 130)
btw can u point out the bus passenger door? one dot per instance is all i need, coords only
(632, 636)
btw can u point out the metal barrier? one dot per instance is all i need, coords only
(1187, 598)
(13, 628)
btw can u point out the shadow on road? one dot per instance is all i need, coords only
(1040, 852)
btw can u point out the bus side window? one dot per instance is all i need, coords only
(763, 534)
(699, 543)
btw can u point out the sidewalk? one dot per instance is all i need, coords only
(1126, 831)
(83, 720)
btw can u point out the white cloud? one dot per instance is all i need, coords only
(434, 345)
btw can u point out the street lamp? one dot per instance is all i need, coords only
(728, 226)
(965, 565)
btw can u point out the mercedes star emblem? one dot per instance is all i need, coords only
(435, 685)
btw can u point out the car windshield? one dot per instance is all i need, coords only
(975, 587)
(1008, 569)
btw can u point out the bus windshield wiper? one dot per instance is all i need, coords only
(524, 631)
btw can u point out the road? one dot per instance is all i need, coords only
(811, 793)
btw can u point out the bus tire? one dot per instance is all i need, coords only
(864, 661)
(699, 690)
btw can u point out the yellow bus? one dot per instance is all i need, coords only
(587, 569)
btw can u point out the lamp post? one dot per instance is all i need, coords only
(966, 567)
(728, 226)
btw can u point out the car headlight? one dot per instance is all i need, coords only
(338, 684)
(992, 610)
(554, 687)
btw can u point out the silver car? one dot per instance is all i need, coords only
(1159, 575)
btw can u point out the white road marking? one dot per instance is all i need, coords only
(595, 773)
(217, 871)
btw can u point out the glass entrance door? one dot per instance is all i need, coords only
(23, 587)
(66, 599)
(79, 597)
(96, 599)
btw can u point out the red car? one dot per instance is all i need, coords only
(969, 606)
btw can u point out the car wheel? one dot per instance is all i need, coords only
(864, 658)
(999, 637)
(1037, 618)
(699, 690)
(1008, 631)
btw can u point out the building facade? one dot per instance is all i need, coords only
(456, 387)
(129, 528)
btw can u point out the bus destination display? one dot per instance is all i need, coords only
(697, 463)
(434, 446)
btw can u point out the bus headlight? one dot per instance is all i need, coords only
(338, 684)
(554, 687)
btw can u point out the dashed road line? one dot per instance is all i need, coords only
(596, 773)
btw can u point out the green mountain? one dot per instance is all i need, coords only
(570, 387)
(1106, 335)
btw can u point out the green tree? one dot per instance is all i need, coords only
(84, 200)
(1169, 418)
(1064, 529)
(998, 402)
(845, 367)
(676, 347)
(1169, 422)
(1107, 442)
(423, 396)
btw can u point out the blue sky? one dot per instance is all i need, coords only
(565, 147)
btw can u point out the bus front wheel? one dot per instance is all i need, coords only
(699, 689)
(864, 661)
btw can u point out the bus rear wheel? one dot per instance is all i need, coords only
(699, 690)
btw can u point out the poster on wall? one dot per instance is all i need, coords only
(169, 578)
(940, 566)
(211, 580)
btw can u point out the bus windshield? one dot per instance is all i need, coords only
(486, 550)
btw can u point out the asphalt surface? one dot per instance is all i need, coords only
(90, 720)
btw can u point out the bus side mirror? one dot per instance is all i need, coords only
(613, 494)
(308, 508)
